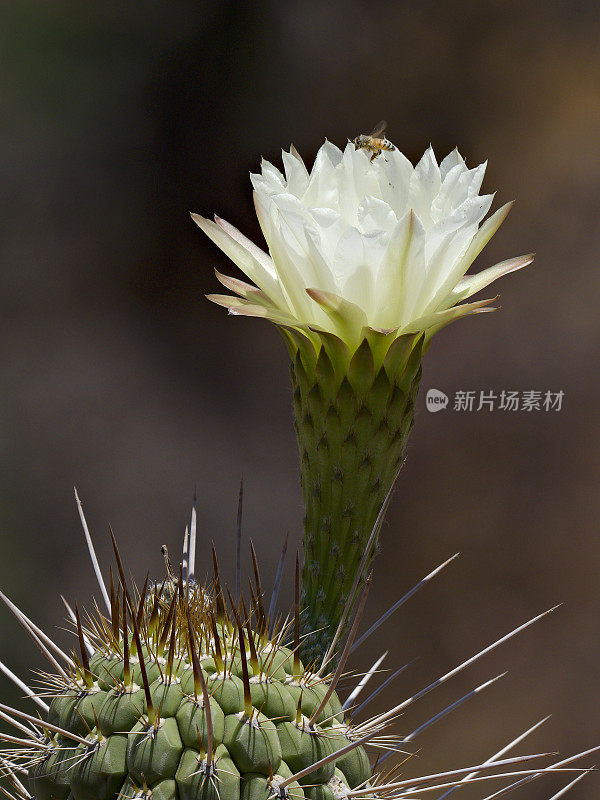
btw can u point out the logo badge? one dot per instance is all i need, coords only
(435, 400)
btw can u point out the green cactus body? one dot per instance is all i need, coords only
(212, 705)
(353, 415)
(139, 727)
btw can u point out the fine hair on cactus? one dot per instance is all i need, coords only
(178, 689)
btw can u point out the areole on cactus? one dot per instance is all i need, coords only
(367, 260)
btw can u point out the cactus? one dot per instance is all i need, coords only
(181, 692)
(353, 415)
(178, 692)
(366, 261)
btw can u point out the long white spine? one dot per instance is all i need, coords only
(92, 552)
(18, 682)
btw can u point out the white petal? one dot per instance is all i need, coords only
(364, 174)
(324, 217)
(485, 233)
(299, 239)
(263, 186)
(328, 229)
(445, 202)
(352, 267)
(321, 264)
(390, 286)
(271, 173)
(375, 215)
(459, 185)
(259, 255)
(414, 269)
(478, 242)
(296, 173)
(467, 216)
(471, 284)
(299, 229)
(438, 319)
(394, 181)
(425, 184)
(288, 205)
(257, 266)
(271, 179)
(322, 188)
(284, 252)
(241, 288)
(474, 179)
(445, 266)
(333, 153)
(348, 197)
(237, 306)
(452, 160)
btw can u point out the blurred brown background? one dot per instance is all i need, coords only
(118, 376)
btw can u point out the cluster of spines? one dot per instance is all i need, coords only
(173, 659)
(159, 634)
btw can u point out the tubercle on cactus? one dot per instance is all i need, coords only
(176, 694)
(174, 664)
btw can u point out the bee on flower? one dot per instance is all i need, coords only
(373, 142)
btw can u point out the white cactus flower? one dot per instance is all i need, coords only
(356, 243)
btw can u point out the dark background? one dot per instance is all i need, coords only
(117, 374)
